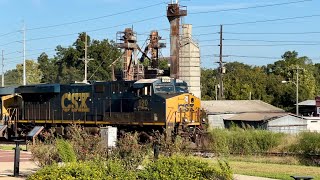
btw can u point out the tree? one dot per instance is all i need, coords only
(33, 73)
(66, 66)
(11, 78)
(48, 68)
(208, 84)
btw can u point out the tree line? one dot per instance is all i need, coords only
(241, 81)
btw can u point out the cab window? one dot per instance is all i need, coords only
(144, 91)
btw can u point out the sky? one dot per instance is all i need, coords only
(261, 42)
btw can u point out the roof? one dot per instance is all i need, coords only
(255, 116)
(307, 103)
(145, 81)
(238, 106)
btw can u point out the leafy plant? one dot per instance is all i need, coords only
(186, 168)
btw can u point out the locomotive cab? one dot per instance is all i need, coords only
(170, 102)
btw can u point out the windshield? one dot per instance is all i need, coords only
(164, 88)
(182, 88)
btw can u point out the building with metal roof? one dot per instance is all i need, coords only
(255, 113)
(293, 124)
(238, 106)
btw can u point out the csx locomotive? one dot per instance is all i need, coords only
(162, 103)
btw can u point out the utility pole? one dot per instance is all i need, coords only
(297, 89)
(85, 59)
(221, 68)
(24, 55)
(2, 76)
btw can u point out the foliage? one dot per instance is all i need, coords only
(45, 152)
(243, 141)
(86, 145)
(130, 151)
(178, 167)
(84, 170)
(33, 73)
(309, 143)
(243, 81)
(65, 151)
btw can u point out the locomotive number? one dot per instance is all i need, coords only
(143, 104)
(73, 103)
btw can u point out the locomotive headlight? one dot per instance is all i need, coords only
(185, 120)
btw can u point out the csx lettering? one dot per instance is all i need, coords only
(75, 102)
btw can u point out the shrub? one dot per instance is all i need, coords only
(178, 167)
(308, 143)
(130, 151)
(87, 146)
(84, 170)
(45, 152)
(243, 141)
(65, 151)
(219, 141)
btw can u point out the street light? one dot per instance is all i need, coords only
(297, 88)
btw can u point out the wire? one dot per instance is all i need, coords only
(262, 57)
(251, 7)
(9, 33)
(9, 43)
(259, 21)
(255, 40)
(238, 45)
(95, 18)
(271, 33)
(93, 30)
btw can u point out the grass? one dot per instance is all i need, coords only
(277, 171)
(288, 160)
(11, 147)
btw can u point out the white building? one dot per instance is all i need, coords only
(293, 124)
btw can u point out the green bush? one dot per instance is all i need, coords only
(219, 141)
(243, 141)
(129, 151)
(86, 145)
(178, 167)
(308, 144)
(65, 151)
(84, 170)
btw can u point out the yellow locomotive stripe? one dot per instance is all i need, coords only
(89, 122)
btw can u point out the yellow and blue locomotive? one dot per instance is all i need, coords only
(162, 103)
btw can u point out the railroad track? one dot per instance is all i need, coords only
(206, 152)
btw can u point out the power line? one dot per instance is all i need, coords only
(12, 32)
(259, 21)
(95, 18)
(93, 30)
(238, 45)
(271, 41)
(230, 55)
(251, 7)
(271, 33)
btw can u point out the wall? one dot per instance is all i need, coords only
(287, 124)
(313, 125)
(189, 61)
